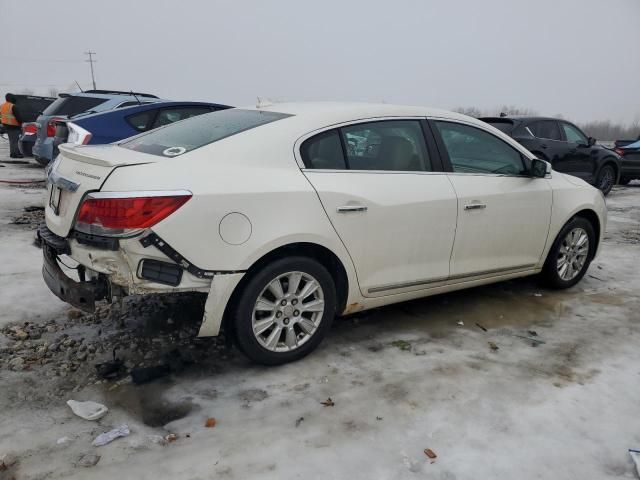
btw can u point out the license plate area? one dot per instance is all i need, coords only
(54, 199)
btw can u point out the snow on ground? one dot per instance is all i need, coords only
(403, 379)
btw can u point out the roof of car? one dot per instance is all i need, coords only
(329, 113)
(145, 106)
(519, 118)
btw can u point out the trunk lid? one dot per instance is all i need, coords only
(77, 171)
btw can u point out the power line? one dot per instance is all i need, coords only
(91, 61)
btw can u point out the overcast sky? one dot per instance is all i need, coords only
(580, 58)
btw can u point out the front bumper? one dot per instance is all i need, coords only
(81, 294)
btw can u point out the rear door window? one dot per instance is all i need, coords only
(396, 145)
(178, 138)
(387, 145)
(547, 129)
(73, 105)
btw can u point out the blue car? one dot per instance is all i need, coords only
(114, 125)
(74, 104)
(629, 151)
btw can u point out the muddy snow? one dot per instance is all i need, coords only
(504, 381)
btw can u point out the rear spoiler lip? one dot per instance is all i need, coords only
(69, 151)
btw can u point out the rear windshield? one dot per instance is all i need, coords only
(504, 125)
(31, 107)
(73, 105)
(195, 132)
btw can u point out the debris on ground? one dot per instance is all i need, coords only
(533, 333)
(534, 341)
(157, 439)
(111, 435)
(635, 456)
(378, 418)
(401, 344)
(88, 460)
(430, 453)
(537, 294)
(111, 370)
(172, 437)
(481, 327)
(32, 217)
(597, 278)
(493, 346)
(88, 410)
(328, 403)
(210, 423)
(460, 323)
(63, 441)
(299, 421)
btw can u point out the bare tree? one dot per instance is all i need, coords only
(53, 91)
(25, 91)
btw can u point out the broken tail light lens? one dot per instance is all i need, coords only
(619, 151)
(119, 214)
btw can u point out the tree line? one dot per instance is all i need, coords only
(604, 130)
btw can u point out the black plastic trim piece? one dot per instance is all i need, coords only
(59, 245)
(160, 272)
(103, 243)
(164, 247)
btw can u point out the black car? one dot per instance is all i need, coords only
(30, 107)
(629, 151)
(565, 146)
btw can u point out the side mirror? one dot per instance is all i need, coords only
(540, 168)
(592, 141)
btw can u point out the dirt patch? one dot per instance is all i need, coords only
(31, 218)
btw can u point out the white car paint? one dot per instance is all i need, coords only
(415, 239)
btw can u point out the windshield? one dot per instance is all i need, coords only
(73, 105)
(195, 132)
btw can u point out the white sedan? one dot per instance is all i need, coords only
(289, 214)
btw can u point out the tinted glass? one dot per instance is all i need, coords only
(573, 134)
(178, 138)
(140, 121)
(387, 145)
(31, 107)
(73, 105)
(472, 150)
(323, 151)
(504, 125)
(170, 115)
(546, 129)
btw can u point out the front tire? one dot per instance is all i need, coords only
(285, 310)
(570, 254)
(606, 179)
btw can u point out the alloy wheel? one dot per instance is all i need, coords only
(573, 254)
(606, 181)
(288, 311)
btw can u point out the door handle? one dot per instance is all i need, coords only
(475, 206)
(351, 208)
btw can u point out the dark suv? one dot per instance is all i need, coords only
(564, 145)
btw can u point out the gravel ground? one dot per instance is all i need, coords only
(449, 373)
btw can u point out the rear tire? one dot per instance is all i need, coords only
(570, 254)
(606, 179)
(284, 311)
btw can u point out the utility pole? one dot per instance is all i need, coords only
(91, 61)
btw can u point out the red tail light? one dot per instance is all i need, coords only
(114, 214)
(29, 128)
(619, 151)
(51, 126)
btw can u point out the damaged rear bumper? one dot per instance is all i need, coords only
(81, 294)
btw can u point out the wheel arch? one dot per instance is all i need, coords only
(592, 217)
(320, 253)
(609, 160)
